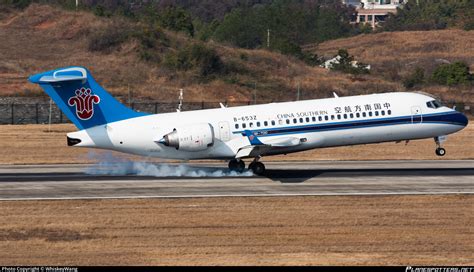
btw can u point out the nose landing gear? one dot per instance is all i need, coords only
(439, 150)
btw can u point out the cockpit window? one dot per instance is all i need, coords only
(434, 104)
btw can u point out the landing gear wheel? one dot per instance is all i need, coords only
(257, 168)
(440, 151)
(237, 165)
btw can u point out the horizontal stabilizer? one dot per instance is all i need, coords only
(67, 74)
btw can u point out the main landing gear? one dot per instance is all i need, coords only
(439, 150)
(255, 166)
(237, 165)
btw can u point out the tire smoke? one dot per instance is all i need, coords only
(108, 164)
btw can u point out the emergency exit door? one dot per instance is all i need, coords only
(224, 131)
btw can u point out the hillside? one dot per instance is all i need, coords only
(393, 55)
(42, 37)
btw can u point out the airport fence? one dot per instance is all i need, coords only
(43, 113)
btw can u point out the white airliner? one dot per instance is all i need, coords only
(243, 132)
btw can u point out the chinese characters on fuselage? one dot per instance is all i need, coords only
(360, 108)
(337, 110)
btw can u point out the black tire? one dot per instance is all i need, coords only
(440, 151)
(257, 168)
(240, 166)
(237, 165)
(232, 165)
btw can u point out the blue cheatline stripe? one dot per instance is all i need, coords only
(451, 117)
(252, 136)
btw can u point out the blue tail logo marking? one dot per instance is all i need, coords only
(81, 98)
(253, 139)
(84, 101)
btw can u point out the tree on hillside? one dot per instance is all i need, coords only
(209, 10)
(429, 15)
(291, 24)
(241, 28)
(20, 4)
(204, 10)
(346, 63)
(197, 56)
(452, 74)
(172, 18)
(417, 77)
(177, 19)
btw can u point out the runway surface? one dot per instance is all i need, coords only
(33, 182)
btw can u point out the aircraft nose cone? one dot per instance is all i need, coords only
(456, 118)
(462, 119)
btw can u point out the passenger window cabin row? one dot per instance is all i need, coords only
(313, 119)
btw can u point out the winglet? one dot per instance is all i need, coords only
(253, 139)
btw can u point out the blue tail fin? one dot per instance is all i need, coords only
(79, 96)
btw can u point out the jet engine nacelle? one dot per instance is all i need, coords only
(196, 137)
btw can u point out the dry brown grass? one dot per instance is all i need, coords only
(359, 230)
(407, 45)
(42, 38)
(30, 144)
(392, 53)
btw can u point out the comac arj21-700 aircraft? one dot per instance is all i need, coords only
(242, 132)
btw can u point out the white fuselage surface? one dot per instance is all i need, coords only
(283, 127)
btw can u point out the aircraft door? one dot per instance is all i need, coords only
(224, 131)
(416, 115)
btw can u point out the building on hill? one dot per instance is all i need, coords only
(373, 12)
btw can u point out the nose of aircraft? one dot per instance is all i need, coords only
(456, 118)
(462, 119)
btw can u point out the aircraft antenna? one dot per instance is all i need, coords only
(268, 38)
(298, 91)
(180, 100)
(50, 114)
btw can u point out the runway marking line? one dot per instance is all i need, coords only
(241, 195)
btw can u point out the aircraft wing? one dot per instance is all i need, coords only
(257, 147)
(284, 142)
(252, 151)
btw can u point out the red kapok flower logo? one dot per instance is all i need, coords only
(84, 102)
